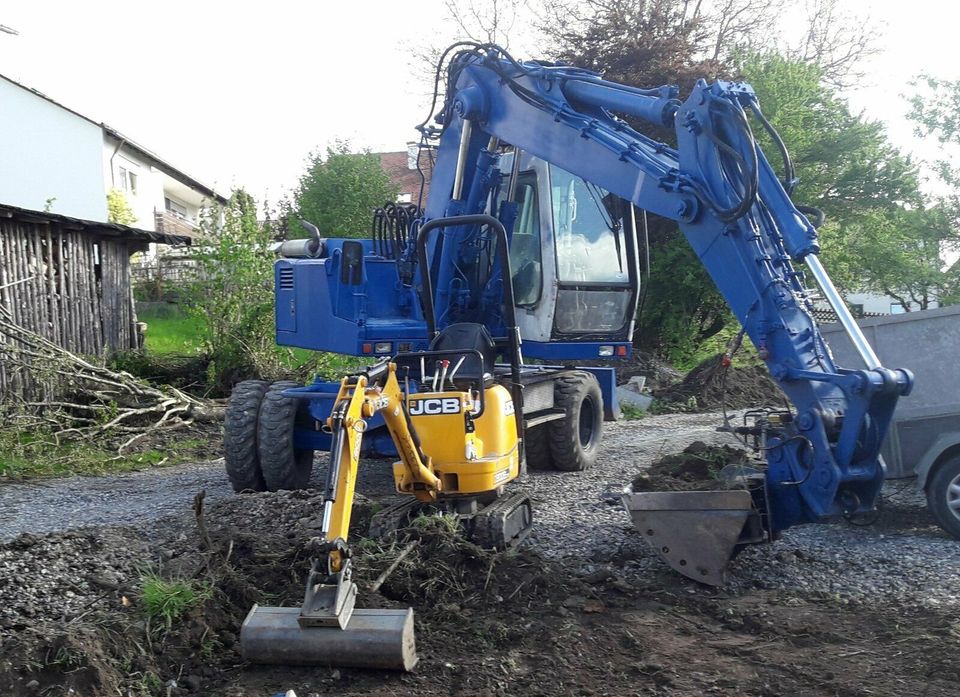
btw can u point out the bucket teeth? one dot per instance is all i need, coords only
(695, 532)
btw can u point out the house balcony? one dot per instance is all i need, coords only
(172, 224)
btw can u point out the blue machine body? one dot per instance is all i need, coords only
(716, 184)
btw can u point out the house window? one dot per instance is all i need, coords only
(128, 180)
(177, 210)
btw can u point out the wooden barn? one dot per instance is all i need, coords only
(68, 280)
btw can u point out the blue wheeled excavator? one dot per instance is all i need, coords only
(528, 248)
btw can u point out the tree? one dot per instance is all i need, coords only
(119, 211)
(901, 255)
(339, 192)
(844, 162)
(230, 293)
(936, 113)
(835, 41)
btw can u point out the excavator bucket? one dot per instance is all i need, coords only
(695, 532)
(328, 631)
(371, 639)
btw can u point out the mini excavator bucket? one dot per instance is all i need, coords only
(328, 631)
(372, 639)
(695, 532)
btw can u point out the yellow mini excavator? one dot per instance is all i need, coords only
(470, 423)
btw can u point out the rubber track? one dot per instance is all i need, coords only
(240, 454)
(283, 466)
(487, 525)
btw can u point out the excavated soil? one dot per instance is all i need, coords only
(71, 618)
(711, 386)
(696, 468)
(658, 373)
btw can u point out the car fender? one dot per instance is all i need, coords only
(943, 443)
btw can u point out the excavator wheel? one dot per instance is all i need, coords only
(574, 440)
(536, 448)
(240, 436)
(283, 465)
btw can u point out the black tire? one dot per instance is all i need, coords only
(943, 495)
(284, 467)
(574, 440)
(240, 454)
(537, 449)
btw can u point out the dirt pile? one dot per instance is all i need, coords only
(658, 372)
(697, 468)
(710, 386)
(487, 624)
(75, 604)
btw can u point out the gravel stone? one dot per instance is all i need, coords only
(120, 499)
(903, 557)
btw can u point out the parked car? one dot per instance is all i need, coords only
(924, 439)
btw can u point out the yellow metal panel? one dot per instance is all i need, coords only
(482, 460)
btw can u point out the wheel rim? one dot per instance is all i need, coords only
(953, 496)
(586, 426)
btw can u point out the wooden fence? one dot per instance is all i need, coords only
(69, 281)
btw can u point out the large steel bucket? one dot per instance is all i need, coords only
(695, 532)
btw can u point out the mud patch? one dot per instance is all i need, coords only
(696, 468)
(487, 624)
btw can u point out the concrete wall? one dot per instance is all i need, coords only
(49, 152)
(926, 343)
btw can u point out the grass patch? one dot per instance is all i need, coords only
(174, 334)
(30, 455)
(167, 601)
(183, 334)
(631, 412)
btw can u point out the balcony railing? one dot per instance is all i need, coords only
(171, 224)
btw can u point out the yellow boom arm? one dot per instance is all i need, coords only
(359, 400)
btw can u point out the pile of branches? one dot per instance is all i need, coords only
(83, 399)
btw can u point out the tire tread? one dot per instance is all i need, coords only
(564, 434)
(240, 454)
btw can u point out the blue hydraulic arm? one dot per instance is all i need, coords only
(733, 210)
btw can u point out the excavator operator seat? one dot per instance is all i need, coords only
(468, 335)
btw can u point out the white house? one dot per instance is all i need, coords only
(58, 160)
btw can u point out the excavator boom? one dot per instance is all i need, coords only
(823, 457)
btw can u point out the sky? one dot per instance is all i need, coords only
(239, 93)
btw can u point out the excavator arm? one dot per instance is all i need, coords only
(823, 457)
(330, 590)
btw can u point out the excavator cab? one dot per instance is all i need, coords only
(573, 256)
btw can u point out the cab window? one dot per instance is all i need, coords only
(525, 259)
(588, 235)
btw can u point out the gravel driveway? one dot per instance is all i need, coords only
(904, 556)
(120, 499)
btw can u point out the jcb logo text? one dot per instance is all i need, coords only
(445, 405)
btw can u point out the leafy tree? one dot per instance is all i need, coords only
(936, 113)
(844, 163)
(119, 211)
(339, 192)
(901, 255)
(231, 292)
